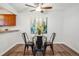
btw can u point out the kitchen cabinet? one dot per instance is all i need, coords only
(1, 20)
(8, 20)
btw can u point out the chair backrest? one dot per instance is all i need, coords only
(25, 37)
(53, 36)
(39, 42)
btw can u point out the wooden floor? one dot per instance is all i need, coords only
(59, 50)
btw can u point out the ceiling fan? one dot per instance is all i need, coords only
(41, 7)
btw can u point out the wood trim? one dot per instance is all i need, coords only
(8, 31)
(70, 49)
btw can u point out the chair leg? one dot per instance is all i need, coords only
(34, 53)
(24, 50)
(51, 46)
(32, 48)
(43, 53)
(44, 49)
(27, 48)
(53, 50)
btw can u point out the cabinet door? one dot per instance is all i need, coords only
(10, 20)
(1, 20)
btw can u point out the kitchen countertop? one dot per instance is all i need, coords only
(6, 31)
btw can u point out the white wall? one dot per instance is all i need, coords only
(4, 12)
(71, 28)
(23, 23)
(55, 22)
(7, 9)
(9, 40)
(64, 23)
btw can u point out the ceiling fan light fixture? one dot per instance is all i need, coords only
(41, 7)
(38, 9)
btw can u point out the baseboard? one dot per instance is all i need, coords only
(7, 49)
(58, 43)
(77, 51)
(54, 42)
(11, 47)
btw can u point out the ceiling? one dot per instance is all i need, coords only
(20, 7)
(56, 6)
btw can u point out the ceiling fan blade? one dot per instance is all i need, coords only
(46, 7)
(29, 5)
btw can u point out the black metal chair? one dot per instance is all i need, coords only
(38, 47)
(27, 44)
(50, 43)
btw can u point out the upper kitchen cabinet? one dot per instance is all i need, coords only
(1, 20)
(7, 19)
